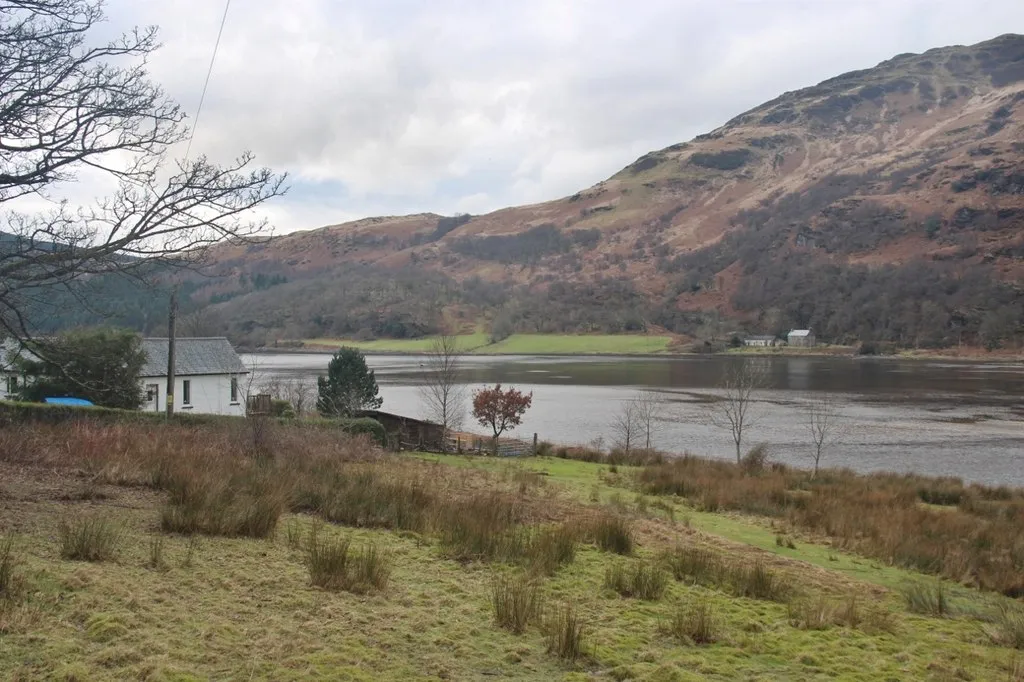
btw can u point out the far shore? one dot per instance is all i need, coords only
(632, 346)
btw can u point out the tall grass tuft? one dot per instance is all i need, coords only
(693, 623)
(90, 538)
(759, 582)
(565, 634)
(642, 580)
(696, 565)
(877, 515)
(611, 533)
(926, 599)
(1009, 625)
(8, 584)
(482, 527)
(333, 565)
(156, 553)
(550, 548)
(516, 602)
(248, 504)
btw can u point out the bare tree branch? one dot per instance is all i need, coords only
(826, 425)
(66, 105)
(735, 411)
(444, 395)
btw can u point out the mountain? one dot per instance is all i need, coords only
(885, 204)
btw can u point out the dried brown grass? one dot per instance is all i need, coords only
(974, 537)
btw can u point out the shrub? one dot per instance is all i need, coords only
(694, 624)
(611, 533)
(516, 602)
(365, 425)
(926, 599)
(697, 565)
(756, 460)
(90, 538)
(565, 634)
(642, 580)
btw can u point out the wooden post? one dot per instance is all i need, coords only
(170, 350)
(535, 445)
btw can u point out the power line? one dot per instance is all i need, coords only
(206, 84)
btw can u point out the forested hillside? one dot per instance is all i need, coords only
(885, 204)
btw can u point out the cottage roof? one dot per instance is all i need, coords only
(192, 356)
(761, 337)
(800, 332)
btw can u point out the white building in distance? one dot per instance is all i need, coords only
(209, 377)
(801, 337)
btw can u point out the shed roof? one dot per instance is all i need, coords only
(192, 356)
(800, 332)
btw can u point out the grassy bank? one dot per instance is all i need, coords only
(317, 557)
(517, 344)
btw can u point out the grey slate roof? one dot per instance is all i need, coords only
(192, 356)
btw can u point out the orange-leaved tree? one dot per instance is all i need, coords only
(500, 409)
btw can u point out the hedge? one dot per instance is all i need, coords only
(42, 413)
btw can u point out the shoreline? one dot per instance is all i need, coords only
(978, 356)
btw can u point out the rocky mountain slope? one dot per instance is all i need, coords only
(883, 204)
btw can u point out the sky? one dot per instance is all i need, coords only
(390, 107)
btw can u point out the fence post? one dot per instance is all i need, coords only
(535, 445)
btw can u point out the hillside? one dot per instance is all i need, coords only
(881, 204)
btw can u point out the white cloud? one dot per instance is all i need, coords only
(395, 106)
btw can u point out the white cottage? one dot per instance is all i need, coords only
(208, 376)
(801, 337)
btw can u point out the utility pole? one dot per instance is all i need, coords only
(170, 350)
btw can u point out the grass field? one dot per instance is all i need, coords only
(170, 606)
(517, 344)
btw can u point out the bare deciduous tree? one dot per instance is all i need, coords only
(444, 396)
(649, 412)
(626, 426)
(825, 424)
(201, 322)
(70, 104)
(301, 395)
(735, 410)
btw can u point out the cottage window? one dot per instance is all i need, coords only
(234, 389)
(186, 392)
(12, 384)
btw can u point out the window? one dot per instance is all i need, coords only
(186, 392)
(234, 389)
(12, 384)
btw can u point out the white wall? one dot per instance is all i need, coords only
(210, 394)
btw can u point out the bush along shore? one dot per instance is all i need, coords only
(215, 549)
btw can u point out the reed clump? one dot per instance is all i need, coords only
(934, 525)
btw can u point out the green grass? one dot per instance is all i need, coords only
(467, 342)
(517, 344)
(249, 605)
(540, 344)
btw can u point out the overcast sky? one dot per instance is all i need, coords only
(387, 107)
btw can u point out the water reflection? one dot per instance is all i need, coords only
(943, 418)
